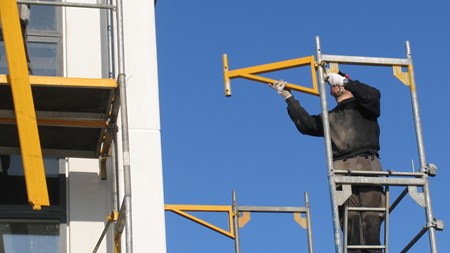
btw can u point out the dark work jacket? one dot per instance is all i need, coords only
(354, 126)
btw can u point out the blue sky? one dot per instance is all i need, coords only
(213, 145)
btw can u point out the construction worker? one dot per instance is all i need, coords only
(354, 132)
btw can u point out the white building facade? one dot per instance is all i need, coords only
(73, 42)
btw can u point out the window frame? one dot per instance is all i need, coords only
(57, 184)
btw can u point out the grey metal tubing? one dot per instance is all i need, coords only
(115, 175)
(361, 60)
(272, 209)
(379, 181)
(380, 173)
(398, 199)
(111, 56)
(366, 209)
(386, 219)
(124, 123)
(420, 146)
(308, 220)
(345, 227)
(236, 224)
(111, 74)
(329, 155)
(414, 240)
(365, 247)
(430, 219)
(67, 4)
(415, 105)
(423, 181)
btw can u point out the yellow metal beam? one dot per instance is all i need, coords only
(62, 122)
(67, 82)
(23, 106)
(182, 209)
(251, 73)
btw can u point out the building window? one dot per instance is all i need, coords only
(29, 236)
(44, 42)
(22, 229)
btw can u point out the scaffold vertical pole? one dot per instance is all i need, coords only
(309, 228)
(329, 155)
(236, 224)
(124, 128)
(420, 146)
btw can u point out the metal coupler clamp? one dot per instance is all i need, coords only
(430, 169)
(437, 224)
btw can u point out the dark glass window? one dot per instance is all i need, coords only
(44, 42)
(22, 229)
(29, 236)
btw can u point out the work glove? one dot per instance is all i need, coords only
(279, 86)
(335, 79)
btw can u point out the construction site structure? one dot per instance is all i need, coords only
(411, 181)
(239, 215)
(59, 129)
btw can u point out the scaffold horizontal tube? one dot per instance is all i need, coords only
(366, 247)
(379, 181)
(379, 173)
(375, 209)
(365, 60)
(68, 4)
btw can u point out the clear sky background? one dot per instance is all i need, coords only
(213, 145)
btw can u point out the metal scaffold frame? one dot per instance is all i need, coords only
(239, 216)
(425, 169)
(347, 178)
(21, 83)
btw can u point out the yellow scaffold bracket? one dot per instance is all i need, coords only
(114, 216)
(402, 76)
(251, 73)
(244, 219)
(334, 68)
(23, 105)
(300, 220)
(183, 209)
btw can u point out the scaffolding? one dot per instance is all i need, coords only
(35, 126)
(29, 119)
(325, 63)
(239, 216)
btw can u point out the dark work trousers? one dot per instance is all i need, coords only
(363, 227)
